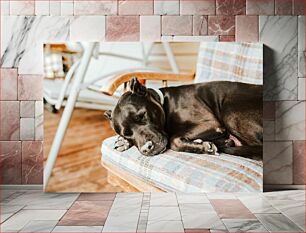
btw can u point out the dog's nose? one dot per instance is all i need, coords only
(147, 147)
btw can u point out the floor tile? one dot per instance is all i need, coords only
(231, 209)
(164, 213)
(278, 223)
(165, 226)
(297, 195)
(258, 205)
(9, 210)
(197, 231)
(237, 225)
(221, 196)
(75, 229)
(39, 226)
(129, 195)
(97, 197)
(191, 198)
(163, 199)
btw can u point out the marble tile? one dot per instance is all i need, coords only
(231, 209)
(200, 25)
(32, 162)
(74, 229)
(290, 120)
(268, 130)
(217, 195)
(293, 195)
(5, 194)
(301, 89)
(10, 154)
(221, 25)
(39, 120)
(55, 8)
(39, 226)
(20, 219)
(9, 120)
(135, 7)
(165, 226)
(192, 198)
(166, 7)
(150, 28)
(269, 110)
(176, 25)
(8, 87)
(247, 28)
(122, 28)
(87, 28)
(283, 7)
(237, 225)
(22, 39)
(203, 7)
(190, 38)
(27, 129)
(9, 210)
(301, 47)
(164, 213)
(277, 223)
(86, 213)
(299, 162)
(67, 7)
(163, 199)
(201, 230)
(227, 38)
(30, 87)
(97, 197)
(27, 108)
(95, 7)
(230, 7)
(42, 7)
(22, 7)
(298, 7)
(260, 7)
(278, 162)
(258, 205)
(279, 34)
(5, 7)
(138, 196)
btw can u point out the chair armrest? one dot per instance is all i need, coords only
(110, 87)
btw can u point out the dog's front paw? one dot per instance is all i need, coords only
(210, 148)
(122, 144)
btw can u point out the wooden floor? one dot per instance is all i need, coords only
(78, 167)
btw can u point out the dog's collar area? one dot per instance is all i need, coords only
(160, 94)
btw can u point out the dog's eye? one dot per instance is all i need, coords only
(140, 117)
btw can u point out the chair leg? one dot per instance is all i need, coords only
(73, 95)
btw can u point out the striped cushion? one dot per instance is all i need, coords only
(236, 62)
(188, 172)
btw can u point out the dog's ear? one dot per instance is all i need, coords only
(137, 88)
(108, 114)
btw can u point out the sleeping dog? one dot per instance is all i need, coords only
(204, 118)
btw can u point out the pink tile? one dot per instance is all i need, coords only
(260, 7)
(32, 162)
(30, 87)
(122, 28)
(197, 230)
(199, 25)
(298, 7)
(86, 213)
(150, 28)
(227, 38)
(9, 120)
(269, 110)
(283, 7)
(247, 28)
(176, 25)
(221, 25)
(231, 209)
(230, 7)
(8, 84)
(97, 197)
(135, 7)
(104, 7)
(27, 108)
(22, 7)
(195, 7)
(299, 162)
(27, 129)
(10, 162)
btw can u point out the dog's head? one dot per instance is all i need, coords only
(139, 117)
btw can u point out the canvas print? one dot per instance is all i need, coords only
(153, 117)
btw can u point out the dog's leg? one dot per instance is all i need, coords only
(121, 144)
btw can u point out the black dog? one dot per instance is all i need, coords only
(199, 118)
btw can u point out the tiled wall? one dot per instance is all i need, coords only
(276, 23)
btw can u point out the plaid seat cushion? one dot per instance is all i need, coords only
(236, 62)
(188, 172)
